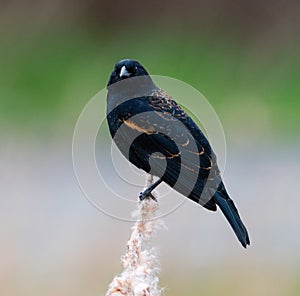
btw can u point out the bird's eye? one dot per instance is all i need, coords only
(135, 69)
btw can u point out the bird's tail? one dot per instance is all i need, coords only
(231, 213)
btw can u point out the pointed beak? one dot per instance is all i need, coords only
(124, 72)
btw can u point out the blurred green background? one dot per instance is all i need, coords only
(55, 56)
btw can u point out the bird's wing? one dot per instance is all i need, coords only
(178, 127)
(199, 161)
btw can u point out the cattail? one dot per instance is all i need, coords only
(140, 263)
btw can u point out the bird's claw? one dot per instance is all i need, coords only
(146, 194)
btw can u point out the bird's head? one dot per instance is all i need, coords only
(126, 69)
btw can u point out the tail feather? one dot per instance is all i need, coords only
(230, 211)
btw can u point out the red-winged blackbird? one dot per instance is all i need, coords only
(157, 136)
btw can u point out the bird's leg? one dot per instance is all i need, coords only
(148, 190)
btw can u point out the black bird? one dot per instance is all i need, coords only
(156, 135)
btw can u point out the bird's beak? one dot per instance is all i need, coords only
(124, 72)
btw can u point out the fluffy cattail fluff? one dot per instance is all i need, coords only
(141, 268)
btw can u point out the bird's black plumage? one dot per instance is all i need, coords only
(156, 135)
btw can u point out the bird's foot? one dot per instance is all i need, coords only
(146, 194)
